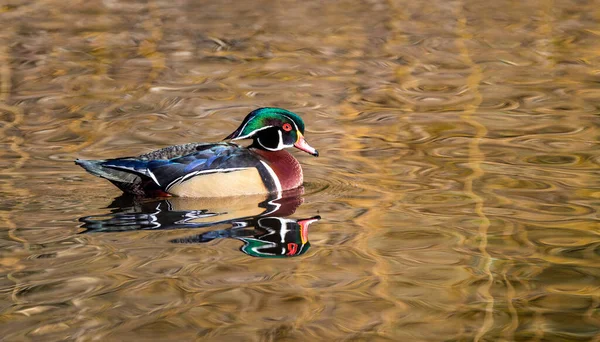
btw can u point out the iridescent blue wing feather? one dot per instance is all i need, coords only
(210, 159)
(161, 169)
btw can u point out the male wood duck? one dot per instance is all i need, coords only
(219, 169)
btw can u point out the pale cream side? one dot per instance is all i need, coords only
(229, 208)
(235, 183)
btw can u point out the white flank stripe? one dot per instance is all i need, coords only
(275, 204)
(153, 177)
(181, 179)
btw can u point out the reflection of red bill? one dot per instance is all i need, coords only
(302, 145)
(293, 248)
(304, 227)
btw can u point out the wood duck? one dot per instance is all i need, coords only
(216, 169)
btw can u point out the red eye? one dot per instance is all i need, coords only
(287, 127)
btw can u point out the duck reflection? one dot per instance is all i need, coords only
(260, 224)
(267, 237)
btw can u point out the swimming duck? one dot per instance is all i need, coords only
(220, 169)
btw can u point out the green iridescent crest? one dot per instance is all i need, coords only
(264, 118)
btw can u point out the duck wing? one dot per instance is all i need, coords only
(205, 159)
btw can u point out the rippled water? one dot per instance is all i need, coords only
(458, 184)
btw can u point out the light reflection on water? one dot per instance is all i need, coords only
(458, 177)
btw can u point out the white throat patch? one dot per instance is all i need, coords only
(280, 144)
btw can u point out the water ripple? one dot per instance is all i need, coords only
(457, 182)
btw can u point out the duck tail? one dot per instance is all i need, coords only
(97, 168)
(94, 167)
(126, 181)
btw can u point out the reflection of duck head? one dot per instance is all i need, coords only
(259, 223)
(267, 237)
(281, 237)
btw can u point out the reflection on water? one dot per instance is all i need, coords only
(264, 235)
(458, 177)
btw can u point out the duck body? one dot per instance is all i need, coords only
(216, 169)
(201, 170)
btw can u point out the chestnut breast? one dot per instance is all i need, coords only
(285, 166)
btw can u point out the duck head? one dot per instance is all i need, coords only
(273, 129)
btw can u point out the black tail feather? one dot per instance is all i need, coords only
(126, 181)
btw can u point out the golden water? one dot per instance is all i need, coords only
(458, 182)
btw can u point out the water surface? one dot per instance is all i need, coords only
(458, 184)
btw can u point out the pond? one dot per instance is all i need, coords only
(455, 197)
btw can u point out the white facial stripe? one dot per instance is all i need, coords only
(265, 147)
(251, 133)
(243, 127)
(294, 122)
(280, 144)
(260, 129)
